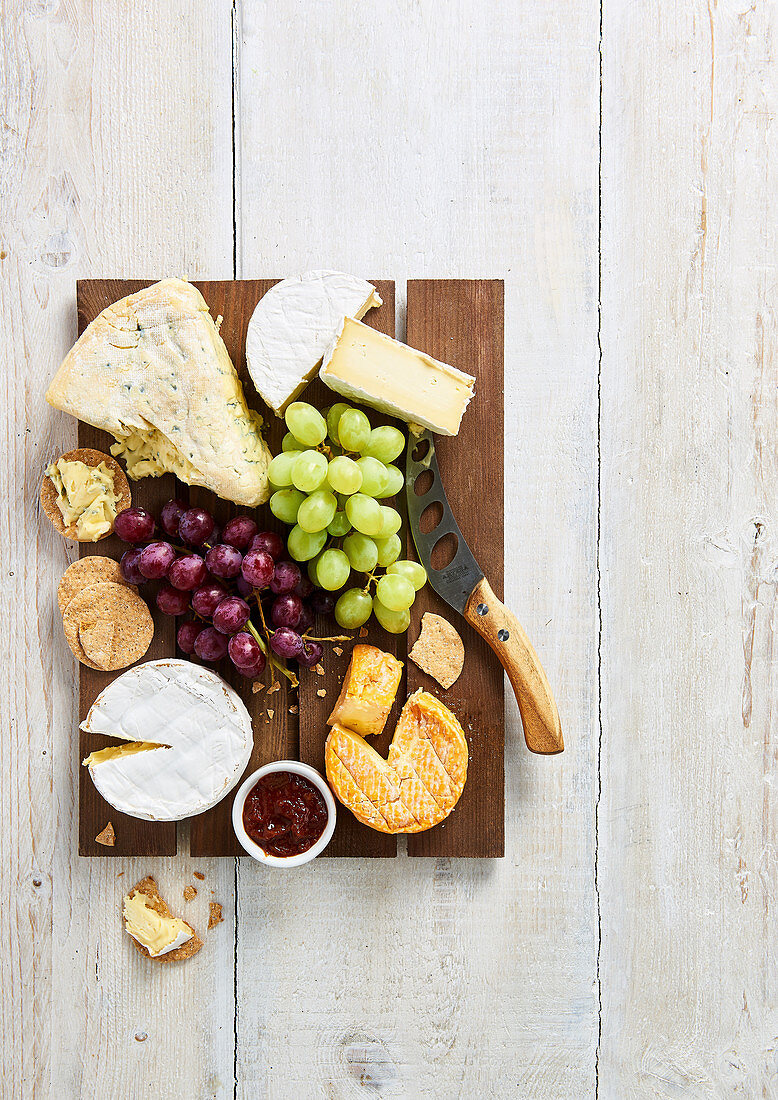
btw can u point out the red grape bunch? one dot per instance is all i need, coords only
(220, 577)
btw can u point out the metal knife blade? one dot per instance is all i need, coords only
(456, 581)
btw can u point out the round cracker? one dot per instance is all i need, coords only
(87, 571)
(112, 622)
(90, 457)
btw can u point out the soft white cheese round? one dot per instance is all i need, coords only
(200, 724)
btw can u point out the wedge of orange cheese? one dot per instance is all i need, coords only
(368, 691)
(420, 782)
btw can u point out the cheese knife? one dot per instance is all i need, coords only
(464, 587)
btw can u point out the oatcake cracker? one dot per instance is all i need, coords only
(86, 571)
(109, 624)
(148, 887)
(89, 457)
(438, 650)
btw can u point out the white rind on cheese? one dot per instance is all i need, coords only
(371, 368)
(292, 326)
(199, 726)
(153, 371)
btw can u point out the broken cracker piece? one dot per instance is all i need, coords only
(321, 693)
(338, 649)
(107, 836)
(319, 669)
(363, 631)
(189, 893)
(294, 709)
(199, 874)
(256, 687)
(153, 901)
(214, 914)
(270, 712)
(438, 650)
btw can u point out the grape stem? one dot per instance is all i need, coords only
(333, 638)
(273, 663)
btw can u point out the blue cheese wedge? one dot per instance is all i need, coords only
(293, 325)
(153, 371)
(366, 366)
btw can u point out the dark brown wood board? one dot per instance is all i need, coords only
(461, 322)
(470, 317)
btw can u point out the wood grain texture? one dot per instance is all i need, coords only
(446, 140)
(116, 157)
(461, 322)
(688, 815)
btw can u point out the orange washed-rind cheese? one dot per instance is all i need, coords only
(368, 691)
(420, 782)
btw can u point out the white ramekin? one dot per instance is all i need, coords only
(254, 849)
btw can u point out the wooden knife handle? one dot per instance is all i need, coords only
(502, 631)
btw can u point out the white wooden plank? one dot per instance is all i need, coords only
(689, 512)
(421, 139)
(117, 159)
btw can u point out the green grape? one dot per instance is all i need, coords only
(289, 443)
(306, 423)
(333, 416)
(395, 622)
(364, 513)
(344, 475)
(395, 592)
(385, 443)
(353, 608)
(374, 479)
(311, 571)
(353, 430)
(332, 570)
(391, 522)
(285, 503)
(412, 572)
(389, 550)
(316, 511)
(279, 472)
(395, 480)
(340, 525)
(304, 545)
(361, 551)
(309, 469)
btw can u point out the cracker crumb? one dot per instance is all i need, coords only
(199, 874)
(107, 836)
(338, 649)
(363, 631)
(274, 687)
(294, 709)
(214, 914)
(319, 669)
(256, 687)
(321, 693)
(189, 893)
(119, 874)
(270, 713)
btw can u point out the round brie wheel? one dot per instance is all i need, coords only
(189, 740)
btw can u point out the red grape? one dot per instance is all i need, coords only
(258, 568)
(129, 566)
(187, 633)
(196, 526)
(188, 572)
(306, 620)
(286, 642)
(170, 516)
(207, 598)
(285, 578)
(171, 601)
(156, 559)
(244, 587)
(311, 654)
(245, 652)
(304, 587)
(239, 532)
(134, 525)
(231, 615)
(322, 602)
(210, 645)
(270, 542)
(224, 561)
(286, 610)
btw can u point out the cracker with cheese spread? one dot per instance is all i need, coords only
(82, 493)
(154, 931)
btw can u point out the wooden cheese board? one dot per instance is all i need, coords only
(461, 322)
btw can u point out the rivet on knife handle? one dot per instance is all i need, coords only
(503, 632)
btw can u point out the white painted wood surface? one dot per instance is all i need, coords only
(625, 946)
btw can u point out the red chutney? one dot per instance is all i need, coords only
(285, 814)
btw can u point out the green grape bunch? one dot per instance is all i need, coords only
(330, 482)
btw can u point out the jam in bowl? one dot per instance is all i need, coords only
(284, 814)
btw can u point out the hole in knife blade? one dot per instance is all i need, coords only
(420, 450)
(423, 483)
(431, 516)
(444, 551)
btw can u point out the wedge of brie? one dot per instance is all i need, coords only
(153, 371)
(189, 740)
(292, 326)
